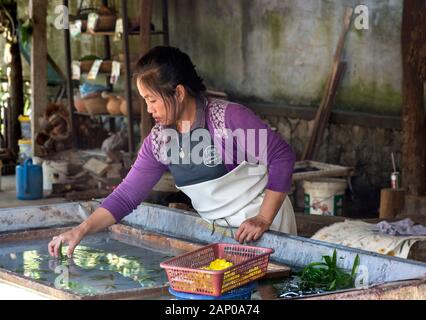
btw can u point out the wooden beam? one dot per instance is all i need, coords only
(333, 81)
(166, 22)
(325, 112)
(145, 14)
(413, 114)
(361, 119)
(38, 13)
(69, 81)
(128, 75)
(13, 133)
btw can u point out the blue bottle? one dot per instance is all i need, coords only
(29, 181)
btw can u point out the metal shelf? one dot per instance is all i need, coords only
(112, 33)
(107, 115)
(106, 66)
(105, 27)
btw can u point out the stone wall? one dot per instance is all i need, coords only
(366, 149)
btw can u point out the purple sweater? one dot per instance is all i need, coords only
(147, 169)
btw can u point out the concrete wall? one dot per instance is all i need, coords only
(281, 50)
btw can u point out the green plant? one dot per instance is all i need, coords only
(327, 276)
(25, 29)
(27, 98)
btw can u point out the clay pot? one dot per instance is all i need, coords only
(113, 103)
(96, 105)
(135, 105)
(79, 105)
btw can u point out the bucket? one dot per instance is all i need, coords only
(324, 196)
(29, 181)
(242, 293)
(54, 172)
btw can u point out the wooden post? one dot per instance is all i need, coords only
(166, 22)
(38, 13)
(68, 72)
(145, 44)
(391, 203)
(107, 56)
(413, 115)
(16, 88)
(128, 87)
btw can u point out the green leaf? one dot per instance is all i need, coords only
(335, 258)
(332, 285)
(355, 266)
(328, 260)
(61, 256)
(325, 275)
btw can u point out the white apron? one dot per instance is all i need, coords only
(236, 197)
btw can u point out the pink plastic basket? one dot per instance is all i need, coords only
(185, 273)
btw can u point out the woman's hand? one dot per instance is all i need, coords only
(252, 229)
(99, 220)
(72, 238)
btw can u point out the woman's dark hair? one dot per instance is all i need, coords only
(162, 69)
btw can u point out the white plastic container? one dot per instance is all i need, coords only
(324, 196)
(54, 172)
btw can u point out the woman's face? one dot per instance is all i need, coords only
(155, 104)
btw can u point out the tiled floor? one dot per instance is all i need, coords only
(8, 195)
(13, 292)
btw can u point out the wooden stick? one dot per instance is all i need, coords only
(327, 111)
(333, 80)
(393, 162)
(323, 113)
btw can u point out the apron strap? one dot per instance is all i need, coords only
(229, 227)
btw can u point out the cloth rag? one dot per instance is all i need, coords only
(365, 236)
(404, 227)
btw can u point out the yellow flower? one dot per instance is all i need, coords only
(218, 264)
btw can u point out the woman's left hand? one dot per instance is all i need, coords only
(252, 229)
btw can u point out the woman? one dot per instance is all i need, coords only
(235, 169)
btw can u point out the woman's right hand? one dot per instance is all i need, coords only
(71, 238)
(99, 220)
